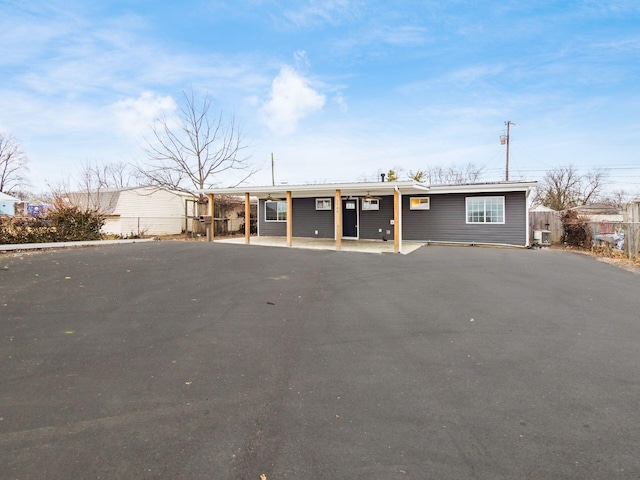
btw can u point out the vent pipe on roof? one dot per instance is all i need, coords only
(382, 177)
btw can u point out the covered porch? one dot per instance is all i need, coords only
(335, 194)
(362, 246)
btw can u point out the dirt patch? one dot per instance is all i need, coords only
(627, 264)
(195, 238)
(613, 257)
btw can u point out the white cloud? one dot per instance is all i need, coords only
(342, 102)
(320, 12)
(291, 100)
(134, 115)
(301, 59)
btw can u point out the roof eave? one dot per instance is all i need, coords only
(355, 189)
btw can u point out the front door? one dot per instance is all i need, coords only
(350, 218)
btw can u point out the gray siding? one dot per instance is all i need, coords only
(268, 229)
(306, 220)
(446, 221)
(373, 220)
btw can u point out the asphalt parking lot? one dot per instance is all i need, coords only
(173, 360)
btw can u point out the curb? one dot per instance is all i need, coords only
(43, 246)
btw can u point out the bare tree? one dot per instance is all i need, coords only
(94, 186)
(96, 182)
(95, 175)
(565, 187)
(438, 175)
(592, 185)
(190, 153)
(619, 198)
(452, 175)
(13, 165)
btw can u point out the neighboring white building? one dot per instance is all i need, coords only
(138, 210)
(7, 204)
(600, 212)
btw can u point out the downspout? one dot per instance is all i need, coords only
(397, 233)
(528, 226)
(258, 218)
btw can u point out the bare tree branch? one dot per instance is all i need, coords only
(565, 187)
(13, 165)
(453, 175)
(190, 152)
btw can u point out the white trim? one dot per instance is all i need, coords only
(484, 188)
(359, 189)
(485, 198)
(527, 205)
(277, 211)
(399, 220)
(362, 189)
(420, 207)
(357, 237)
(258, 219)
(324, 199)
(373, 202)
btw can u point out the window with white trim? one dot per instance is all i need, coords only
(485, 209)
(323, 204)
(420, 203)
(275, 211)
(370, 204)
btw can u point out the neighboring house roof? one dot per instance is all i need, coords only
(369, 188)
(597, 209)
(542, 208)
(8, 198)
(106, 200)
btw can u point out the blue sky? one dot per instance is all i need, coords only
(338, 90)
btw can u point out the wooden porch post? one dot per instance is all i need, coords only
(338, 217)
(396, 221)
(289, 219)
(247, 218)
(211, 229)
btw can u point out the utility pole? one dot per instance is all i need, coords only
(273, 175)
(505, 139)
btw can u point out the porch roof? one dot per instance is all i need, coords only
(358, 189)
(362, 189)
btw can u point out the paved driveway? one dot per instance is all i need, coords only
(172, 360)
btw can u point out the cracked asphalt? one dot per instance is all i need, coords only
(194, 360)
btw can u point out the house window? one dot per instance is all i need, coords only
(485, 209)
(275, 211)
(371, 204)
(323, 204)
(420, 203)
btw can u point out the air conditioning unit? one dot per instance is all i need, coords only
(542, 237)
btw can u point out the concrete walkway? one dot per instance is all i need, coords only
(364, 246)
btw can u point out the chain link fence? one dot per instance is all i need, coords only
(622, 236)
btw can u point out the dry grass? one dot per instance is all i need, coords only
(610, 255)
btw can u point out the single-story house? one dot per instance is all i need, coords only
(484, 213)
(8, 204)
(137, 210)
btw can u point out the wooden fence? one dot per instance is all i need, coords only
(546, 221)
(624, 235)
